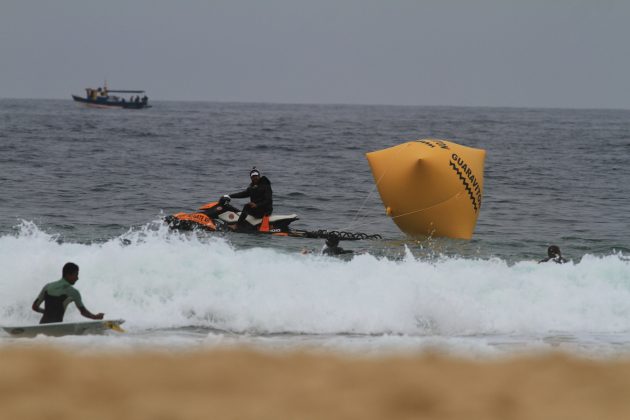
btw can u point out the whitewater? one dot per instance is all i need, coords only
(190, 290)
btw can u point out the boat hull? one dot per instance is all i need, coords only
(110, 104)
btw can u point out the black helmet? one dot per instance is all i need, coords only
(254, 172)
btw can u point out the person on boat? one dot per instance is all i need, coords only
(553, 254)
(333, 248)
(260, 196)
(57, 295)
(145, 99)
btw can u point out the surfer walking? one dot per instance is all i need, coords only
(57, 295)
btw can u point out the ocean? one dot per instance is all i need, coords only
(92, 186)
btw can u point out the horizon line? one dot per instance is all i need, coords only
(579, 108)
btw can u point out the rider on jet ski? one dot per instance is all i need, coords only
(260, 196)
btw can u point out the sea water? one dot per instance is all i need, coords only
(91, 186)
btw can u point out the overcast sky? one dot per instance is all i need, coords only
(538, 53)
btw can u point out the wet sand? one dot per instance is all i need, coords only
(39, 383)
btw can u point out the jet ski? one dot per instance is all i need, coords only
(222, 216)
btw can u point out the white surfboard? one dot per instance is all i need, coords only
(59, 329)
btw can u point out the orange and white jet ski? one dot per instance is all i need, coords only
(222, 216)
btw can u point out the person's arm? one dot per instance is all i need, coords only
(340, 251)
(89, 314)
(336, 250)
(241, 194)
(76, 297)
(38, 302)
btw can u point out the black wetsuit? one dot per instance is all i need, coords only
(557, 259)
(261, 195)
(335, 250)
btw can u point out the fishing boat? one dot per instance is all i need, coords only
(102, 97)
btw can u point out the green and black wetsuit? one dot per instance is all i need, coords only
(56, 297)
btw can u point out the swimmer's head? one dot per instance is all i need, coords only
(553, 251)
(332, 240)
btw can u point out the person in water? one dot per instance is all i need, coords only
(260, 196)
(333, 248)
(59, 294)
(553, 254)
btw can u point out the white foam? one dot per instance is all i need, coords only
(165, 280)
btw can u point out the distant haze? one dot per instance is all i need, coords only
(532, 53)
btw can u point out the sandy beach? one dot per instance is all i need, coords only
(44, 383)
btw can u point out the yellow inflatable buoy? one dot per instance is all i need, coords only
(430, 187)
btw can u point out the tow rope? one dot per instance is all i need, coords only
(342, 235)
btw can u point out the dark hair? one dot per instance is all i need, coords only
(553, 250)
(69, 269)
(332, 240)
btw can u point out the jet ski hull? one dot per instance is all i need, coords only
(221, 216)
